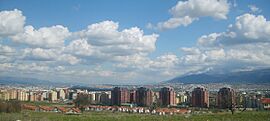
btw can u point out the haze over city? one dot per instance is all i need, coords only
(132, 42)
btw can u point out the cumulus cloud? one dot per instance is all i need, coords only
(45, 37)
(39, 54)
(199, 8)
(6, 53)
(185, 12)
(25, 68)
(243, 46)
(226, 59)
(12, 27)
(6, 50)
(252, 27)
(255, 53)
(248, 28)
(104, 41)
(80, 47)
(163, 66)
(55, 55)
(208, 40)
(175, 22)
(54, 49)
(11, 22)
(165, 61)
(254, 9)
(107, 35)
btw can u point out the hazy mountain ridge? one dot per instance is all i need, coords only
(25, 81)
(254, 76)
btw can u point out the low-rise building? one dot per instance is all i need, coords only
(266, 103)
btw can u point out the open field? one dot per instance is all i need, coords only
(44, 103)
(109, 116)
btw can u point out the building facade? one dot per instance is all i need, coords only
(133, 96)
(200, 97)
(167, 96)
(105, 98)
(52, 96)
(120, 96)
(226, 98)
(144, 97)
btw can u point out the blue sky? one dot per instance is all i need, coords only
(77, 15)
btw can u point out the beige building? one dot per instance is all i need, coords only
(12, 94)
(4, 95)
(22, 95)
(31, 96)
(53, 96)
(92, 97)
(61, 94)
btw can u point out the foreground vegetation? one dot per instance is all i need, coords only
(12, 106)
(109, 116)
(44, 103)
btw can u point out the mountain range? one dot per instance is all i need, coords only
(29, 81)
(254, 76)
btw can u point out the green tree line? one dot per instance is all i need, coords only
(11, 106)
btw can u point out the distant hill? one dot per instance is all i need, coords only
(23, 80)
(254, 76)
(36, 82)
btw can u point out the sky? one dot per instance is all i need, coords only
(131, 42)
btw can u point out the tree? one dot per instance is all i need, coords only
(10, 106)
(82, 100)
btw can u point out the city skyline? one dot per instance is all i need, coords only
(130, 42)
(155, 101)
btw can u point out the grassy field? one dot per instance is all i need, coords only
(109, 116)
(44, 103)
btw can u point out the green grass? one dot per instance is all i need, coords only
(44, 103)
(109, 116)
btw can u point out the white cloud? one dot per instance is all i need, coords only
(190, 51)
(45, 51)
(106, 35)
(252, 27)
(185, 12)
(59, 68)
(54, 55)
(6, 53)
(101, 33)
(11, 22)
(6, 50)
(5, 59)
(162, 66)
(257, 53)
(243, 46)
(216, 54)
(175, 22)
(40, 54)
(192, 56)
(24, 68)
(33, 67)
(45, 37)
(254, 9)
(200, 8)
(208, 40)
(80, 47)
(165, 61)
(68, 58)
(104, 41)
(248, 28)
